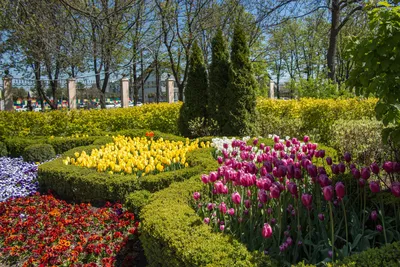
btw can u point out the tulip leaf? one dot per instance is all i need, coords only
(356, 240)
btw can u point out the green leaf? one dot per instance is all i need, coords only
(356, 240)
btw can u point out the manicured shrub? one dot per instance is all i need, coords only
(38, 153)
(137, 200)
(195, 105)
(241, 87)
(3, 150)
(62, 144)
(16, 145)
(218, 105)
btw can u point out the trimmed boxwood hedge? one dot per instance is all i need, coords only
(38, 153)
(3, 150)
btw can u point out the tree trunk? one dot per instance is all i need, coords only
(142, 75)
(335, 20)
(157, 80)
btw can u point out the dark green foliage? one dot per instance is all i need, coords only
(195, 92)
(38, 153)
(62, 144)
(16, 145)
(376, 71)
(218, 105)
(137, 200)
(241, 88)
(3, 150)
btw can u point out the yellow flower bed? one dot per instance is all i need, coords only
(139, 155)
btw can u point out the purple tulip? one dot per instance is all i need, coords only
(340, 190)
(220, 160)
(365, 173)
(205, 179)
(269, 211)
(352, 166)
(347, 157)
(262, 196)
(306, 139)
(312, 170)
(321, 153)
(247, 203)
(395, 189)
(328, 192)
(379, 228)
(330, 253)
(396, 167)
(375, 168)
(206, 220)
(342, 167)
(335, 169)
(374, 186)
(356, 173)
(222, 207)
(236, 198)
(273, 221)
(266, 230)
(292, 188)
(289, 241)
(196, 196)
(275, 191)
(374, 215)
(361, 182)
(321, 217)
(297, 173)
(388, 166)
(306, 199)
(329, 161)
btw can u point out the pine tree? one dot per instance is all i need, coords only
(218, 107)
(241, 88)
(195, 105)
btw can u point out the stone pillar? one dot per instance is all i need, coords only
(170, 90)
(124, 92)
(271, 89)
(71, 85)
(8, 97)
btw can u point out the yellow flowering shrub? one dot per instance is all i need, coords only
(138, 155)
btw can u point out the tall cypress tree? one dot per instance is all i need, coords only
(218, 107)
(241, 88)
(195, 105)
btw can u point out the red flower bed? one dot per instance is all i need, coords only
(41, 230)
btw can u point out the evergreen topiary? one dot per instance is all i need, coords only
(195, 104)
(218, 106)
(38, 153)
(241, 88)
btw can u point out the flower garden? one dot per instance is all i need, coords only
(212, 201)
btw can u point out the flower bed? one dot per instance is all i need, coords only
(17, 178)
(41, 230)
(277, 201)
(139, 156)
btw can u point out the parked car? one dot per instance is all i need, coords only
(24, 108)
(110, 105)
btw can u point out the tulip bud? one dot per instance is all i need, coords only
(347, 157)
(231, 211)
(329, 160)
(306, 139)
(262, 146)
(321, 153)
(262, 196)
(361, 182)
(222, 227)
(374, 215)
(276, 139)
(306, 199)
(206, 220)
(196, 196)
(365, 173)
(273, 221)
(328, 192)
(342, 167)
(205, 179)
(340, 190)
(292, 187)
(289, 241)
(379, 228)
(220, 160)
(236, 198)
(330, 253)
(388, 166)
(356, 173)
(321, 217)
(375, 168)
(335, 169)
(247, 203)
(395, 189)
(275, 191)
(374, 186)
(222, 207)
(266, 231)
(213, 176)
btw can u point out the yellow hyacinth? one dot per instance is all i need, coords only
(138, 155)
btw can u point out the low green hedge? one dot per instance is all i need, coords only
(16, 145)
(3, 150)
(38, 153)
(172, 234)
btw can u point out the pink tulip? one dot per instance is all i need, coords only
(222, 207)
(266, 230)
(236, 198)
(340, 190)
(205, 179)
(262, 146)
(247, 203)
(306, 139)
(379, 228)
(220, 160)
(255, 142)
(275, 191)
(231, 211)
(306, 199)
(374, 186)
(328, 192)
(196, 196)
(276, 139)
(213, 176)
(374, 215)
(321, 217)
(206, 220)
(289, 241)
(395, 189)
(222, 227)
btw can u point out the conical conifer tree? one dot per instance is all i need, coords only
(241, 87)
(218, 107)
(195, 105)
